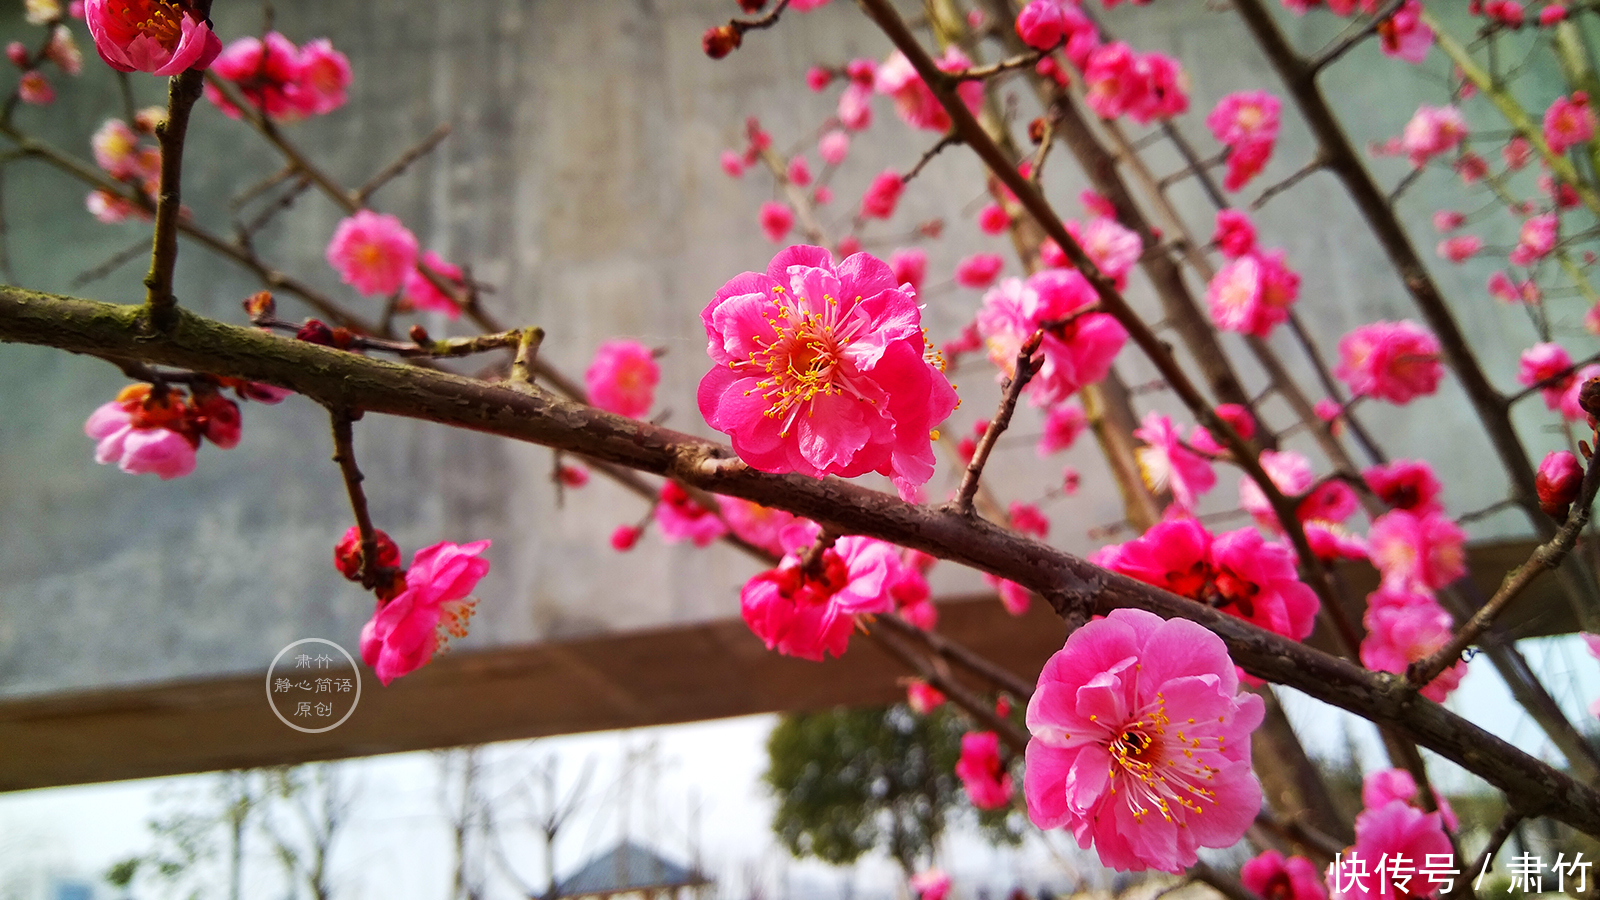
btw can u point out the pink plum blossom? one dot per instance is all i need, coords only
(1384, 785)
(161, 37)
(776, 220)
(1235, 235)
(1141, 742)
(855, 106)
(931, 884)
(978, 270)
(799, 171)
(834, 146)
(34, 88)
(1460, 248)
(1448, 220)
(372, 252)
(1432, 131)
(1393, 361)
(1145, 87)
(1406, 484)
(912, 97)
(806, 613)
(732, 163)
(1042, 24)
(982, 774)
(422, 293)
(1167, 465)
(1394, 830)
(622, 378)
(324, 78)
(1535, 241)
(910, 266)
(1404, 35)
(1557, 482)
(822, 370)
(1113, 248)
(1271, 877)
(760, 525)
(993, 219)
(882, 195)
(139, 443)
(268, 72)
(1013, 597)
(405, 632)
(1568, 121)
(1077, 348)
(1062, 425)
(1545, 363)
(1420, 551)
(117, 150)
(1401, 633)
(681, 518)
(1253, 293)
(923, 697)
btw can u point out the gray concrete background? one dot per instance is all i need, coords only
(582, 180)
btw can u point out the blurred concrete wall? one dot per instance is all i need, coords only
(582, 181)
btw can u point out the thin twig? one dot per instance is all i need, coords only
(1317, 164)
(402, 162)
(116, 261)
(1497, 838)
(960, 654)
(974, 706)
(1544, 558)
(344, 453)
(1026, 366)
(949, 140)
(1331, 55)
(980, 73)
(182, 95)
(527, 351)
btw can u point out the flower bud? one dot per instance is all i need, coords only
(623, 539)
(1589, 399)
(347, 553)
(720, 40)
(1558, 482)
(260, 305)
(316, 332)
(752, 6)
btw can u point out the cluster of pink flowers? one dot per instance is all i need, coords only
(422, 609)
(681, 518)
(121, 150)
(1143, 86)
(804, 611)
(1403, 627)
(1238, 572)
(162, 37)
(983, 775)
(1168, 465)
(1393, 361)
(1113, 248)
(372, 252)
(61, 49)
(148, 431)
(1247, 124)
(1141, 742)
(280, 80)
(824, 370)
(1253, 293)
(622, 378)
(1078, 346)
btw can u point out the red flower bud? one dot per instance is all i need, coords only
(315, 332)
(260, 305)
(623, 539)
(1558, 482)
(217, 417)
(720, 41)
(347, 553)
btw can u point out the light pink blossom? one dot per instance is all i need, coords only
(404, 633)
(421, 292)
(1399, 634)
(1393, 361)
(1459, 248)
(267, 72)
(982, 774)
(1432, 131)
(1404, 35)
(1448, 220)
(1113, 248)
(34, 88)
(681, 518)
(1141, 742)
(1394, 830)
(914, 100)
(1568, 121)
(732, 163)
(1013, 597)
(622, 378)
(1245, 117)
(834, 146)
(1381, 787)
(1167, 465)
(760, 525)
(822, 370)
(372, 252)
(1420, 551)
(855, 106)
(138, 444)
(1077, 348)
(161, 37)
(1535, 241)
(1545, 363)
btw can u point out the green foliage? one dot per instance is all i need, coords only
(850, 780)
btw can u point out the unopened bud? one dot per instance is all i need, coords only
(420, 336)
(1559, 479)
(314, 331)
(752, 6)
(623, 539)
(260, 305)
(343, 338)
(1036, 130)
(720, 41)
(1589, 399)
(18, 54)
(347, 553)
